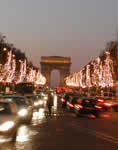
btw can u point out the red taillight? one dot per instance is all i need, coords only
(107, 104)
(98, 107)
(71, 105)
(63, 100)
(78, 106)
(100, 100)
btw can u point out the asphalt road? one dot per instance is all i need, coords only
(64, 131)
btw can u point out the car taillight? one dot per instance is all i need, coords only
(100, 100)
(107, 104)
(63, 100)
(78, 106)
(71, 105)
(98, 107)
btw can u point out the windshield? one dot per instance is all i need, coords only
(88, 102)
(4, 108)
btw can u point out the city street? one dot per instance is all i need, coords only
(63, 130)
(59, 75)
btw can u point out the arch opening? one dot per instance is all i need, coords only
(55, 78)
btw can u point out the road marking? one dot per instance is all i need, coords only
(98, 134)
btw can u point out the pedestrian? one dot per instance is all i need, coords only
(50, 103)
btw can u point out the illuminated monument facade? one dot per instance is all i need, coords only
(48, 64)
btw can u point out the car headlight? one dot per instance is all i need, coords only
(45, 102)
(52, 94)
(45, 97)
(22, 112)
(40, 102)
(36, 103)
(42, 94)
(6, 126)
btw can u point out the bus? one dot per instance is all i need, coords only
(24, 88)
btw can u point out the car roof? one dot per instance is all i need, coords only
(75, 97)
(10, 96)
(88, 98)
(2, 101)
(29, 96)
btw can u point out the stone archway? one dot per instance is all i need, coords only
(50, 63)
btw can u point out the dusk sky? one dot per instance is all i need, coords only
(76, 28)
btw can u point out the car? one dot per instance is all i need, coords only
(8, 121)
(43, 96)
(71, 102)
(30, 100)
(65, 99)
(24, 110)
(106, 103)
(40, 101)
(88, 105)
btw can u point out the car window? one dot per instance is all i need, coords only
(74, 100)
(66, 97)
(39, 97)
(88, 102)
(4, 108)
(29, 97)
(105, 94)
(85, 102)
(110, 95)
(17, 100)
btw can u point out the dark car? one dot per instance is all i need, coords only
(89, 106)
(29, 100)
(40, 101)
(66, 98)
(71, 102)
(115, 104)
(105, 102)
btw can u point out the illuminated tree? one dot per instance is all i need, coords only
(108, 71)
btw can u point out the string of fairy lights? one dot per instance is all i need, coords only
(9, 74)
(97, 73)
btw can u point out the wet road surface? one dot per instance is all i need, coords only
(63, 130)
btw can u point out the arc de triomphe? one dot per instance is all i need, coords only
(49, 63)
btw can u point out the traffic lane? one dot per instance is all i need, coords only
(56, 135)
(59, 132)
(64, 133)
(86, 139)
(107, 124)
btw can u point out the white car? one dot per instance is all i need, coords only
(24, 109)
(8, 121)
